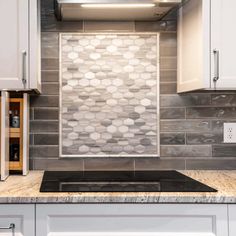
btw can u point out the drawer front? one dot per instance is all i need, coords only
(131, 219)
(21, 216)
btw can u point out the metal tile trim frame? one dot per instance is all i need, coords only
(61, 155)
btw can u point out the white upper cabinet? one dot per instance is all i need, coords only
(13, 44)
(19, 45)
(223, 38)
(206, 45)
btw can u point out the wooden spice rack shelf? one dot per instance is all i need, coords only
(14, 132)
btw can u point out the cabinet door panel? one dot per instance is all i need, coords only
(194, 46)
(13, 44)
(4, 140)
(35, 46)
(131, 220)
(223, 38)
(22, 216)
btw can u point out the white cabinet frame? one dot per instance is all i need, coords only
(4, 140)
(26, 131)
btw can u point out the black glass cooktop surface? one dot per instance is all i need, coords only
(120, 181)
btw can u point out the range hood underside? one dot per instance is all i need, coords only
(71, 10)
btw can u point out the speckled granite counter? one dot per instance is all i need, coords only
(25, 189)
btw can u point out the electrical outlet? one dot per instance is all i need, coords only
(229, 132)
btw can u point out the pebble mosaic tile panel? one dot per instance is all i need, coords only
(109, 94)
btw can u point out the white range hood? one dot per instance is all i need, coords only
(72, 10)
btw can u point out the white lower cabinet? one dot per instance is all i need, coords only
(131, 220)
(117, 220)
(232, 220)
(17, 220)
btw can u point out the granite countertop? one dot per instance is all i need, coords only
(25, 189)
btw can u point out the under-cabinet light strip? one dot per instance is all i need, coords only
(148, 5)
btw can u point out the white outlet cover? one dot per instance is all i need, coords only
(229, 132)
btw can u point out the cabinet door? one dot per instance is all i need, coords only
(14, 44)
(4, 138)
(22, 216)
(35, 46)
(232, 220)
(223, 38)
(131, 220)
(194, 46)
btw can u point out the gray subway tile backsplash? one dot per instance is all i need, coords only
(168, 88)
(50, 88)
(204, 138)
(185, 100)
(101, 26)
(224, 99)
(50, 64)
(54, 164)
(50, 76)
(168, 45)
(153, 26)
(172, 113)
(49, 45)
(43, 126)
(44, 101)
(45, 113)
(168, 75)
(157, 163)
(226, 150)
(211, 112)
(50, 24)
(114, 164)
(187, 142)
(167, 51)
(168, 39)
(168, 63)
(44, 152)
(185, 125)
(211, 164)
(186, 151)
(31, 139)
(172, 138)
(46, 139)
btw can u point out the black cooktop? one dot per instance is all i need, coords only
(120, 181)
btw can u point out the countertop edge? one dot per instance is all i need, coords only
(107, 200)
